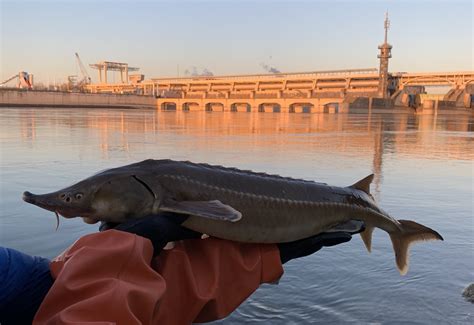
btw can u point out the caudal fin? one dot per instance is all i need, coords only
(401, 240)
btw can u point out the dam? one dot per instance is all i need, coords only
(308, 92)
(318, 91)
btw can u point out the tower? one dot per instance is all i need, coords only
(384, 56)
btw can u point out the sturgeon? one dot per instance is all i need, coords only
(232, 204)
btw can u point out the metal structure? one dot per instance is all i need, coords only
(105, 66)
(86, 79)
(71, 82)
(25, 80)
(384, 56)
(453, 79)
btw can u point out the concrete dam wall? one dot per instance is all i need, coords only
(24, 98)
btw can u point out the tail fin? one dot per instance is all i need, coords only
(401, 240)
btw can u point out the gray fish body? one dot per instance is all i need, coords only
(274, 209)
(231, 204)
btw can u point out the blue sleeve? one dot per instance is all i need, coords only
(24, 282)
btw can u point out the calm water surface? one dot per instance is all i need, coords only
(423, 167)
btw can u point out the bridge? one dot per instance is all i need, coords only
(453, 79)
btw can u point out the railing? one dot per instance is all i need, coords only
(434, 74)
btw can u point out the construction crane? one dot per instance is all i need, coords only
(86, 79)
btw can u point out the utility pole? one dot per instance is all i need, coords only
(384, 56)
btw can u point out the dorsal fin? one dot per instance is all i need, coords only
(364, 184)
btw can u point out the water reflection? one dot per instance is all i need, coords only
(406, 134)
(113, 130)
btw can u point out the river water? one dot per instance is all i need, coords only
(423, 167)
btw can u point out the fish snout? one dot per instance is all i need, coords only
(63, 202)
(28, 197)
(45, 201)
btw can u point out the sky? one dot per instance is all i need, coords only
(167, 38)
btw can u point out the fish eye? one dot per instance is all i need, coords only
(79, 196)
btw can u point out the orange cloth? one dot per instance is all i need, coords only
(106, 278)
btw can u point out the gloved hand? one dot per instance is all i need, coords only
(166, 227)
(304, 247)
(159, 229)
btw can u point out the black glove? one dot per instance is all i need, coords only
(308, 246)
(159, 229)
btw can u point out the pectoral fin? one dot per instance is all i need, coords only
(207, 209)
